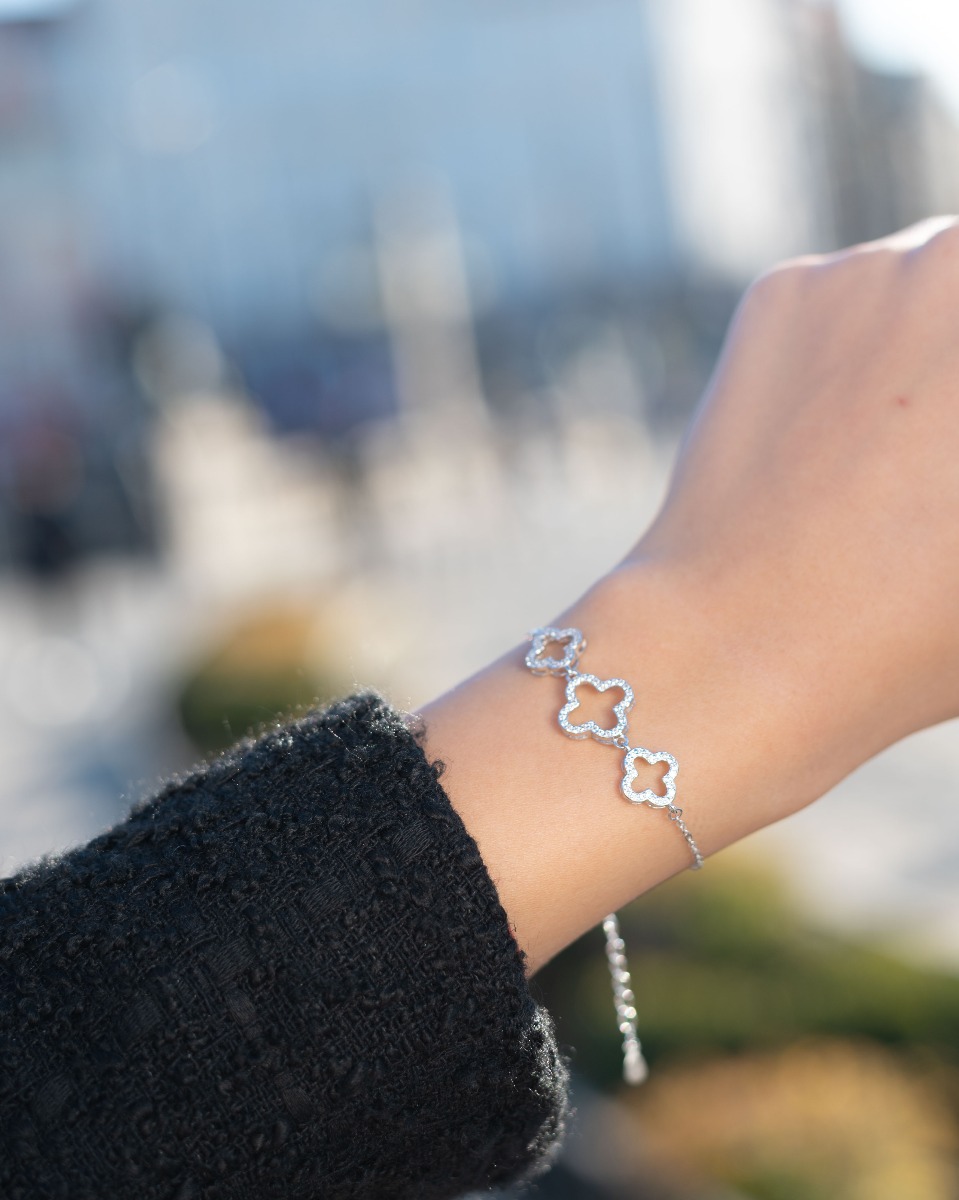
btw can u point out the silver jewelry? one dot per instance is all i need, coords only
(635, 1068)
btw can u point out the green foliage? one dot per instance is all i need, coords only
(779, 1183)
(216, 708)
(269, 663)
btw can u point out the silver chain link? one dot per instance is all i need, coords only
(676, 816)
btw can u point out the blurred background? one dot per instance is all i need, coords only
(323, 329)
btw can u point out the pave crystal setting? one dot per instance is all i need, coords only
(540, 664)
(590, 728)
(648, 795)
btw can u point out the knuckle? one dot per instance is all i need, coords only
(782, 285)
(788, 274)
(930, 269)
(941, 249)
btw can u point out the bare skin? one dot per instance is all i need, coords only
(793, 609)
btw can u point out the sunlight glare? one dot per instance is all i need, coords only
(908, 35)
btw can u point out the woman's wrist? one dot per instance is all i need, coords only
(714, 691)
(561, 843)
(767, 716)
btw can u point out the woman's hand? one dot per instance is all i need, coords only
(793, 609)
(815, 505)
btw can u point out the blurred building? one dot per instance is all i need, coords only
(736, 122)
(232, 163)
(377, 208)
(889, 144)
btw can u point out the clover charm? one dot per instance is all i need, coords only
(648, 796)
(590, 728)
(540, 665)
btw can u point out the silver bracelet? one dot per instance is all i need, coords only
(635, 1069)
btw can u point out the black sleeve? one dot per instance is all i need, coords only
(288, 975)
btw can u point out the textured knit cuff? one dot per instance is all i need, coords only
(288, 974)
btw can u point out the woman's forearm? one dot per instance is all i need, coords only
(561, 843)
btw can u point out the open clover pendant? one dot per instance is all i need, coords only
(617, 733)
(648, 795)
(541, 664)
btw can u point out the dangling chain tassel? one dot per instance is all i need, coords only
(635, 1068)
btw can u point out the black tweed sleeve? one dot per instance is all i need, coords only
(288, 975)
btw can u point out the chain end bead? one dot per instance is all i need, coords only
(635, 1067)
